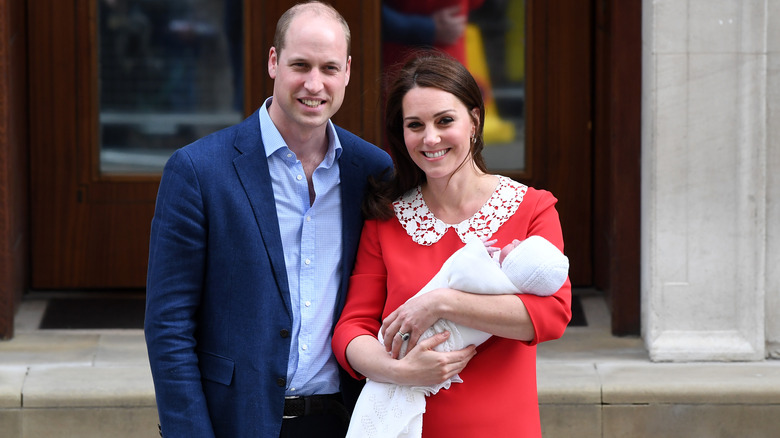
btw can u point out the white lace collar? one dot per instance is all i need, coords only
(426, 229)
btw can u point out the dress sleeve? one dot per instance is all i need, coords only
(550, 315)
(362, 312)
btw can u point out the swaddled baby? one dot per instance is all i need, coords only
(534, 266)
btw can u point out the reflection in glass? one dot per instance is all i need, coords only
(495, 46)
(492, 48)
(170, 73)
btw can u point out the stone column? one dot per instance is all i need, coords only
(704, 179)
(773, 181)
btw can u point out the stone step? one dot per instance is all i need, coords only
(96, 384)
(99, 385)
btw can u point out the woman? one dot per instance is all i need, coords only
(440, 196)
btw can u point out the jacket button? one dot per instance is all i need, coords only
(281, 382)
(284, 333)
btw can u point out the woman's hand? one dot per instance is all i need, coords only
(421, 367)
(413, 317)
(502, 315)
(425, 367)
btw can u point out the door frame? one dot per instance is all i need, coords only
(14, 164)
(616, 134)
(559, 120)
(617, 166)
(611, 161)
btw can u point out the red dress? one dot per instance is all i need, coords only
(397, 257)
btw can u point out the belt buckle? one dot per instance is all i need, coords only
(290, 397)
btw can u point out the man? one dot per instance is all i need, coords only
(253, 240)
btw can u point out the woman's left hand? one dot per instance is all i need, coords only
(413, 317)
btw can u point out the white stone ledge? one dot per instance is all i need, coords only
(644, 382)
(11, 380)
(565, 383)
(692, 346)
(749, 383)
(83, 387)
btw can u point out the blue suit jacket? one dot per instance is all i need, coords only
(218, 318)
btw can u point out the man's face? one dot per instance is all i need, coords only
(310, 74)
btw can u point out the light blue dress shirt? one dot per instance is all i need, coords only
(311, 237)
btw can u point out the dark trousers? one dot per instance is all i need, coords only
(320, 426)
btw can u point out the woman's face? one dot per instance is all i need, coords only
(437, 131)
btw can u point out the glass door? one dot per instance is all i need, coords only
(169, 73)
(116, 86)
(495, 49)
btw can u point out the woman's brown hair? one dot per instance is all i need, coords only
(423, 69)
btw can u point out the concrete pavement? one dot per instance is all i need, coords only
(96, 383)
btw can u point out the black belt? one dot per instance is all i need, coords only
(330, 404)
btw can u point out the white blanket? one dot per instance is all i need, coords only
(536, 266)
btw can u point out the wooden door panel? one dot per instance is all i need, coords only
(559, 120)
(86, 232)
(90, 230)
(14, 177)
(617, 160)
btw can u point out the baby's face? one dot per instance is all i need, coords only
(507, 249)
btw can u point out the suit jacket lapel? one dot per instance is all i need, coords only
(352, 183)
(252, 168)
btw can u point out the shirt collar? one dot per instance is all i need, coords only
(273, 141)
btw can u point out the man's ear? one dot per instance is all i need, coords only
(273, 62)
(348, 71)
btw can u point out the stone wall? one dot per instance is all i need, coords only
(710, 220)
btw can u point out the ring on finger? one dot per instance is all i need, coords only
(404, 336)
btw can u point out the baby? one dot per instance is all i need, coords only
(532, 266)
(504, 251)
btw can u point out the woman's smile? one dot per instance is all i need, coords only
(436, 154)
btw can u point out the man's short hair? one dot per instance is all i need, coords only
(315, 7)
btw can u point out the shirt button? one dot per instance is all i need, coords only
(299, 177)
(284, 333)
(304, 347)
(289, 155)
(308, 218)
(307, 304)
(281, 381)
(307, 261)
